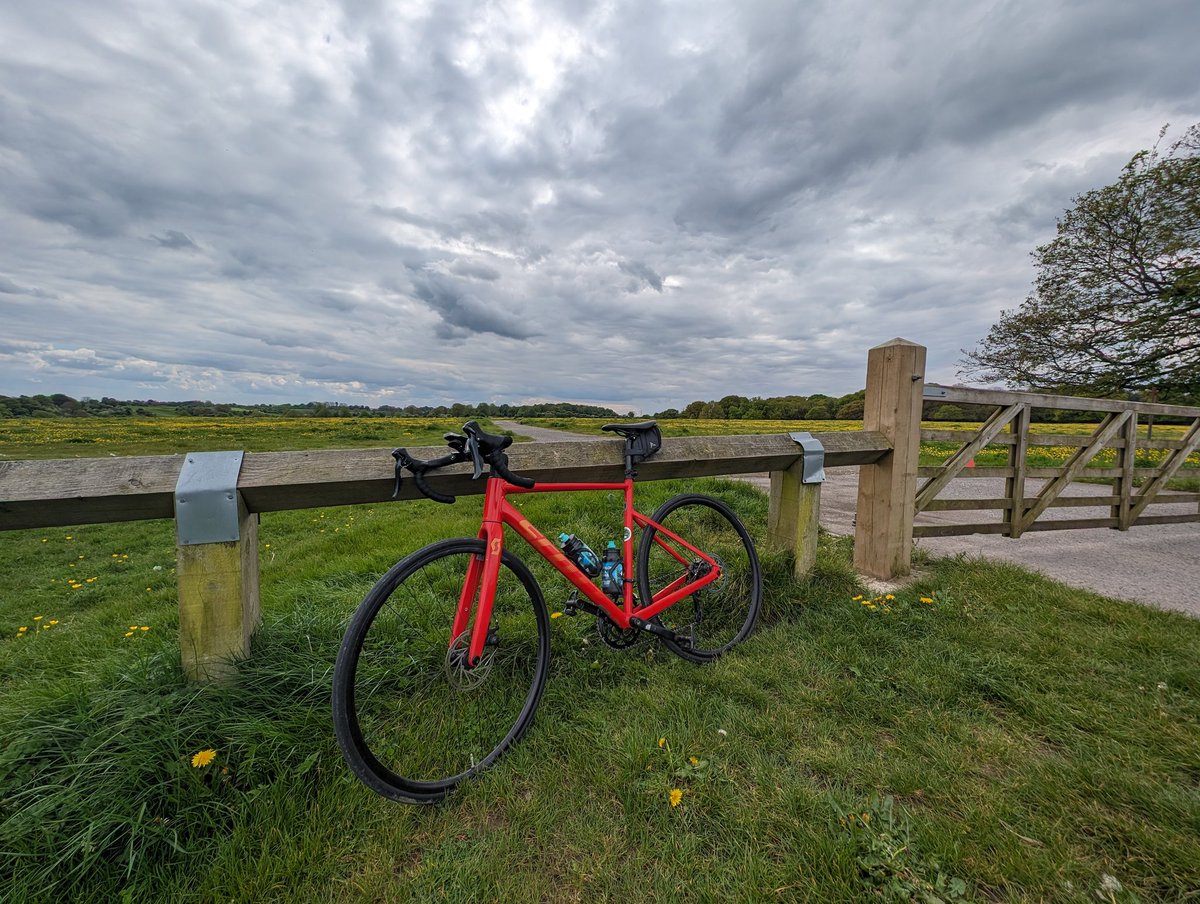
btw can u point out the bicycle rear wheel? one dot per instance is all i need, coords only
(722, 613)
(411, 718)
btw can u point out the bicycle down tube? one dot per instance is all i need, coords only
(498, 512)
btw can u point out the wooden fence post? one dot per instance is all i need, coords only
(887, 489)
(794, 516)
(216, 565)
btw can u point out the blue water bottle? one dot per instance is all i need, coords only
(579, 553)
(612, 577)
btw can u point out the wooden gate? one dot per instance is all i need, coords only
(1135, 484)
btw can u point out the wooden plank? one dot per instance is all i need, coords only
(887, 489)
(48, 493)
(959, 459)
(51, 493)
(793, 517)
(1112, 423)
(1014, 487)
(1127, 462)
(1046, 439)
(973, 505)
(1175, 498)
(956, 530)
(1167, 471)
(937, 393)
(968, 473)
(1194, 517)
(963, 436)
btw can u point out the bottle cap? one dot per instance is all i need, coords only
(563, 538)
(612, 544)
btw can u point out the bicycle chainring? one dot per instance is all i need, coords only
(614, 636)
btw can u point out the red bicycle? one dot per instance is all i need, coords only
(444, 661)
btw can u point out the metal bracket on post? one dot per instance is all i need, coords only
(206, 500)
(814, 457)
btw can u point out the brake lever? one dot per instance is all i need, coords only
(402, 461)
(455, 441)
(476, 456)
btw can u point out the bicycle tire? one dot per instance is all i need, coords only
(723, 614)
(411, 720)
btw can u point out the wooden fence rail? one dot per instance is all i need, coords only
(218, 581)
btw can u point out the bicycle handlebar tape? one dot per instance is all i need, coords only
(500, 463)
(419, 477)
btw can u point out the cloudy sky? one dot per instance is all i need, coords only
(629, 203)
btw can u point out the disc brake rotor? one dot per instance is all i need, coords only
(463, 677)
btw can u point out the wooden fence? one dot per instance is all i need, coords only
(1134, 487)
(218, 581)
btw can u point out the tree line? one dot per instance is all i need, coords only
(818, 407)
(60, 405)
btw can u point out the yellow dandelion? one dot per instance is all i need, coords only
(866, 817)
(662, 742)
(133, 627)
(54, 621)
(37, 618)
(45, 627)
(889, 597)
(203, 758)
(145, 627)
(856, 598)
(556, 615)
(129, 634)
(927, 599)
(693, 761)
(676, 797)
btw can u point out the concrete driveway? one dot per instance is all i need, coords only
(1158, 565)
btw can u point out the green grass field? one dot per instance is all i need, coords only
(1010, 739)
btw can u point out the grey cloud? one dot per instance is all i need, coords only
(462, 314)
(175, 240)
(476, 270)
(8, 287)
(642, 272)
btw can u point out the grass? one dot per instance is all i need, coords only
(1018, 737)
(93, 437)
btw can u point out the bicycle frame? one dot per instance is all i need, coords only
(499, 512)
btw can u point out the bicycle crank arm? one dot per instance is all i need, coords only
(658, 630)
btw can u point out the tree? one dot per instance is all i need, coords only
(1116, 299)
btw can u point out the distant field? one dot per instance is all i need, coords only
(94, 437)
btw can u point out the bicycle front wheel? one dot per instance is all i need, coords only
(413, 720)
(720, 614)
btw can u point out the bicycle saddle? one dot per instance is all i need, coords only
(631, 429)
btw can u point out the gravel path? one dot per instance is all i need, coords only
(1158, 565)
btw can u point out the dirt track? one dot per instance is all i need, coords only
(1158, 565)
